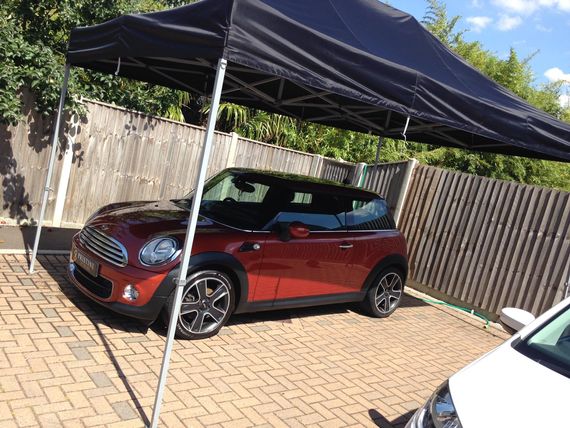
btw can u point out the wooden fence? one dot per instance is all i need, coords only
(487, 243)
(114, 154)
(337, 170)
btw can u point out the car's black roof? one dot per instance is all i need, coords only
(303, 182)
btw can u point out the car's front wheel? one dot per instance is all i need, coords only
(385, 294)
(208, 300)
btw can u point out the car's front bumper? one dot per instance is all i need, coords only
(148, 312)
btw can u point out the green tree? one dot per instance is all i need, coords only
(34, 36)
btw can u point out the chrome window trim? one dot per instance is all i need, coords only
(235, 228)
(312, 231)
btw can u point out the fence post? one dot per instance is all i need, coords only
(63, 185)
(316, 166)
(410, 166)
(359, 174)
(231, 160)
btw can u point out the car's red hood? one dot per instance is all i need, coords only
(141, 220)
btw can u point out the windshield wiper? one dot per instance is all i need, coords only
(182, 203)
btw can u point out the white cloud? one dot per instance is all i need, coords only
(526, 7)
(507, 23)
(543, 29)
(477, 4)
(555, 74)
(479, 23)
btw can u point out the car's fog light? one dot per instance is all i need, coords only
(130, 293)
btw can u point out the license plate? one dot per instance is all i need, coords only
(89, 265)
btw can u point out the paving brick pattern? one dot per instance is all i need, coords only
(64, 361)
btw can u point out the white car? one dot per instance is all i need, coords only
(525, 382)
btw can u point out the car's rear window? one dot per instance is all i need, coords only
(369, 214)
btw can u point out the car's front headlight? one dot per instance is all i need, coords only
(158, 251)
(438, 412)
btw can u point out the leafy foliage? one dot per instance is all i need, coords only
(33, 41)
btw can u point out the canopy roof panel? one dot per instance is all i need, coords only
(358, 65)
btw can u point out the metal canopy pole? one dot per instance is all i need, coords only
(378, 148)
(381, 139)
(54, 144)
(190, 231)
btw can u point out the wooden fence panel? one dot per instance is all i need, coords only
(253, 154)
(123, 155)
(337, 170)
(485, 242)
(24, 154)
(131, 156)
(386, 180)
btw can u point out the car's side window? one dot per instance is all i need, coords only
(319, 212)
(369, 214)
(315, 222)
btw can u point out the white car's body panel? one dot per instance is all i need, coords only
(505, 388)
(508, 389)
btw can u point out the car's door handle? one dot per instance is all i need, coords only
(249, 246)
(345, 246)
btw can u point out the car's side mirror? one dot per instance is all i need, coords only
(514, 319)
(298, 230)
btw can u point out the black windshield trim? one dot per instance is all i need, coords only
(540, 356)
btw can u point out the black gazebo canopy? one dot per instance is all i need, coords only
(358, 64)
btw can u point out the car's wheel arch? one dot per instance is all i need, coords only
(396, 261)
(219, 261)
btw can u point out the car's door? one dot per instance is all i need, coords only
(372, 234)
(316, 265)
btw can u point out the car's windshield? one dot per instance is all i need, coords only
(550, 344)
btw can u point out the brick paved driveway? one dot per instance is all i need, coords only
(65, 361)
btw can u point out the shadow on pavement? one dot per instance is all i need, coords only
(122, 376)
(382, 422)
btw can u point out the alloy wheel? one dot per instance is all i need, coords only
(205, 303)
(388, 293)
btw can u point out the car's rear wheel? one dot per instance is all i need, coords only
(207, 302)
(385, 294)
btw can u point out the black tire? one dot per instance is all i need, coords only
(385, 293)
(207, 294)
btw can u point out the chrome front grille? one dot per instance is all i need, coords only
(104, 246)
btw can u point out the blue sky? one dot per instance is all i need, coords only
(526, 25)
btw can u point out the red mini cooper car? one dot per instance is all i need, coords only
(264, 241)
